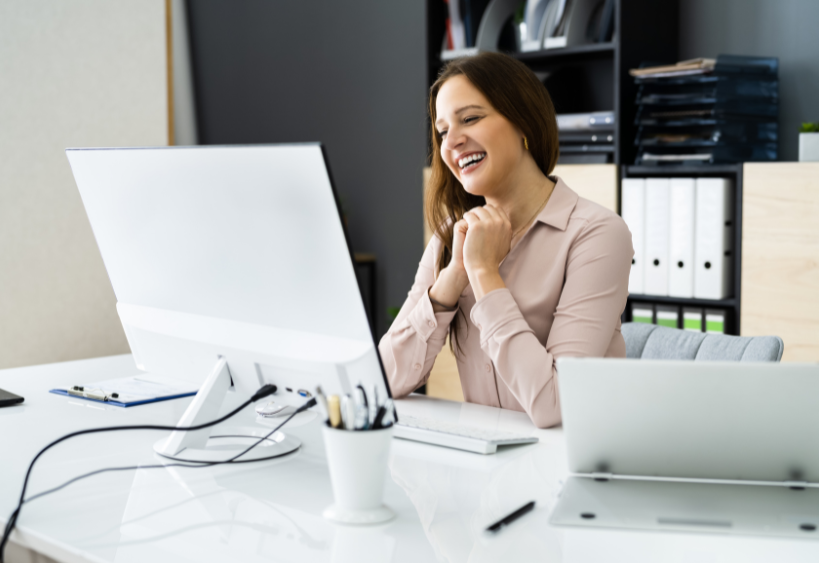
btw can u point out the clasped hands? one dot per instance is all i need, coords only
(481, 240)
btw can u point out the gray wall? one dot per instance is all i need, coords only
(348, 74)
(778, 28)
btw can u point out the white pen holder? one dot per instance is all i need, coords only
(358, 464)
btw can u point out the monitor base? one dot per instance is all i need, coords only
(223, 447)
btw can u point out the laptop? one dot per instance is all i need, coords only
(685, 419)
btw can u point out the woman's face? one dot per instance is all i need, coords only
(479, 145)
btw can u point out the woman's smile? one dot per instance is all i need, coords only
(471, 161)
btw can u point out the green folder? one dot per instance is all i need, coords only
(715, 321)
(692, 320)
(642, 315)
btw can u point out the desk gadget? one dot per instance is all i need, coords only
(231, 270)
(725, 447)
(456, 436)
(695, 420)
(7, 399)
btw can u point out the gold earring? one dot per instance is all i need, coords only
(525, 144)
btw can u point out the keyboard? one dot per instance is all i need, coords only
(456, 436)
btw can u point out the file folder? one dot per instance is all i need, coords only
(692, 320)
(658, 192)
(712, 247)
(681, 239)
(642, 314)
(668, 316)
(633, 206)
(715, 321)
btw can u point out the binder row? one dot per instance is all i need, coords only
(681, 230)
(686, 318)
(720, 113)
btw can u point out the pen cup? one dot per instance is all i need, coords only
(358, 465)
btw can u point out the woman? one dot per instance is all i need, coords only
(521, 270)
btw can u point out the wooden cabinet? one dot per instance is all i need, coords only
(780, 255)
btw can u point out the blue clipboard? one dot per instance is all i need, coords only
(130, 391)
(118, 403)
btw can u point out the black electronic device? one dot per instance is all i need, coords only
(7, 399)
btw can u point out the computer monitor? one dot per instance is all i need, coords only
(232, 269)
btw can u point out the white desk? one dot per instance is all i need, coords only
(271, 511)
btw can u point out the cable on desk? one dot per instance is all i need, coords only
(264, 391)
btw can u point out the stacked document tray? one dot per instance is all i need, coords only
(721, 113)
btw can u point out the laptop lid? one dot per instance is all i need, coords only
(686, 419)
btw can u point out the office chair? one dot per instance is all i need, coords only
(653, 342)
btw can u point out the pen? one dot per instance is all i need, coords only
(334, 410)
(362, 412)
(374, 406)
(349, 413)
(321, 400)
(96, 394)
(506, 520)
(379, 417)
(363, 395)
(389, 413)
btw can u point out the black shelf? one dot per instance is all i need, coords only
(579, 51)
(591, 77)
(670, 170)
(729, 303)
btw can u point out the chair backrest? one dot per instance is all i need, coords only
(654, 342)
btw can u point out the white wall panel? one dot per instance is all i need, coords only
(78, 73)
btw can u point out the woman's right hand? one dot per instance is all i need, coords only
(452, 280)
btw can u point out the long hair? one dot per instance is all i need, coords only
(516, 93)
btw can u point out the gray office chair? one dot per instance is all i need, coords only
(653, 342)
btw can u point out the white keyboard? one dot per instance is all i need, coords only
(456, 436)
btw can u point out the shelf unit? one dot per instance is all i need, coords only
(590, 77)
(731, 305)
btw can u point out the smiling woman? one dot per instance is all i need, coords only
(521, 270)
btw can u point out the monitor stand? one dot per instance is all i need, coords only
(202, 446)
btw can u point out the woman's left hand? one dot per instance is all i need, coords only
(487, 243)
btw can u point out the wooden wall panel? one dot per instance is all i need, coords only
(780, 255)
(595, 182)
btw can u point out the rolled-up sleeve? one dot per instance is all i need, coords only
(409, 348)
(593, 296)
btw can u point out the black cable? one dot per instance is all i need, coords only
(264, 391)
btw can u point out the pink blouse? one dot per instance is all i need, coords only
(566, 287)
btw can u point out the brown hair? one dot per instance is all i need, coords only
(517, 94)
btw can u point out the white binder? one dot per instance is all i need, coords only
(633, 208)
(681, 239)
(712, 246)
(658, 192)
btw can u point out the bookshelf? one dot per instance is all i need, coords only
(587, 77)
(731, 305)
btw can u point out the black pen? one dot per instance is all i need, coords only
(506, 520)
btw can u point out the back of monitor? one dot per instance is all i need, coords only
(701, 420)
(234, 254)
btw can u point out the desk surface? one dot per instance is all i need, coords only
(271, 511)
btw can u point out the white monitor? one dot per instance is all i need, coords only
(231, 269)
